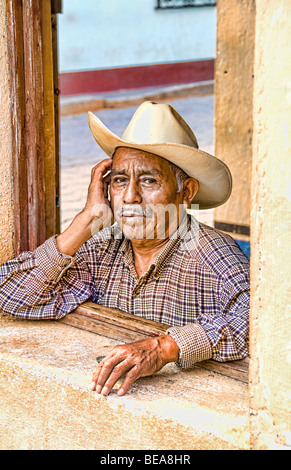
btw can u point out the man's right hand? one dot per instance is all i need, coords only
(98, 190)
(96, 214)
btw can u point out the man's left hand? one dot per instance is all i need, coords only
(134, 360)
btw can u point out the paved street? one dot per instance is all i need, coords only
(79, 148)
(80, 152)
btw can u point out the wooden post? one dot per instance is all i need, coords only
(6, 140)
(34, 122)
(17, 103)
(35, 156)
(51, 122)
(56, 115)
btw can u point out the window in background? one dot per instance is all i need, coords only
(166, 4)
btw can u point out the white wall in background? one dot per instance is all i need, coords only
(97, 34)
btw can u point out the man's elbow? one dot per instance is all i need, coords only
(31, 312)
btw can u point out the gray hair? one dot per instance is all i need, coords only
(180, 175)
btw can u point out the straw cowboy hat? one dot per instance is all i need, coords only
(157, 128)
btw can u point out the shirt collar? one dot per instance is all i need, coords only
(157, 266)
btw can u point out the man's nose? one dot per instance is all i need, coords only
(132, 194)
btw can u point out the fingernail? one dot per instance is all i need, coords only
(105, 391)
(93, 385)
(98, 388)
(120, 391)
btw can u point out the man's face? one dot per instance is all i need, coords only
(142, 186)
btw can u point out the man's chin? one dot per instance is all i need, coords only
(135, 228)
(134, 233)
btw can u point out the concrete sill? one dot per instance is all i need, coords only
(46, 401)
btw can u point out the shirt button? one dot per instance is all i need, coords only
(137, 292)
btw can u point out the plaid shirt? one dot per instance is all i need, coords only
(199, 286)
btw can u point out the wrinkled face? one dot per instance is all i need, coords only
(143, 195)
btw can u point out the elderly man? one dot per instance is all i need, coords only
(153, 261)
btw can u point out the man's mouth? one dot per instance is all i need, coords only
(131, 212)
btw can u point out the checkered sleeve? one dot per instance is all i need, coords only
(193, 343)
(221, 337)
(44, 284)
(222, 331)
(228, 331)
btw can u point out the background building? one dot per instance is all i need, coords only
(106, 46)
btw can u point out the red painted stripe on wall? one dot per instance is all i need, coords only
(122, 78)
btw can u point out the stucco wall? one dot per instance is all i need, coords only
(120, 33)
(6, 204)
(234, 104)
(271, 223)
(46, 369)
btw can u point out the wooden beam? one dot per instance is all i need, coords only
(35, 158)
(57, 120)
(51, 156)
(238, 370)
(125, 327)
(34, 122)
(17, 100)
(56, 6)
(113, 323)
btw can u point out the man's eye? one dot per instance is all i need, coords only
(119, 180)
(149, 180)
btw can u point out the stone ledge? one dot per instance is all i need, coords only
(47, 403)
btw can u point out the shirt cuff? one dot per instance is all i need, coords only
(50, 261)
(193, 343)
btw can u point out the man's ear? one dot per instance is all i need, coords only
(190, 189)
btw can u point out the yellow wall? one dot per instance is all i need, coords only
(271, 223)
(234, 104)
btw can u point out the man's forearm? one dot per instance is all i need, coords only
(78, 232)
(29, 284)
(95, 215)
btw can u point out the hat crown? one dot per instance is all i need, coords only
(156, 123)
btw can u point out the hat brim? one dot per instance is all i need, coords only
(213, 175)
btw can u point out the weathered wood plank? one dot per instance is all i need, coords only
(117, 318)
(125, 327)
(54, 25)
(34, 122)
(102, 328)
(17, 100)
(49, 120)
(238, 370)
(32, 68)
